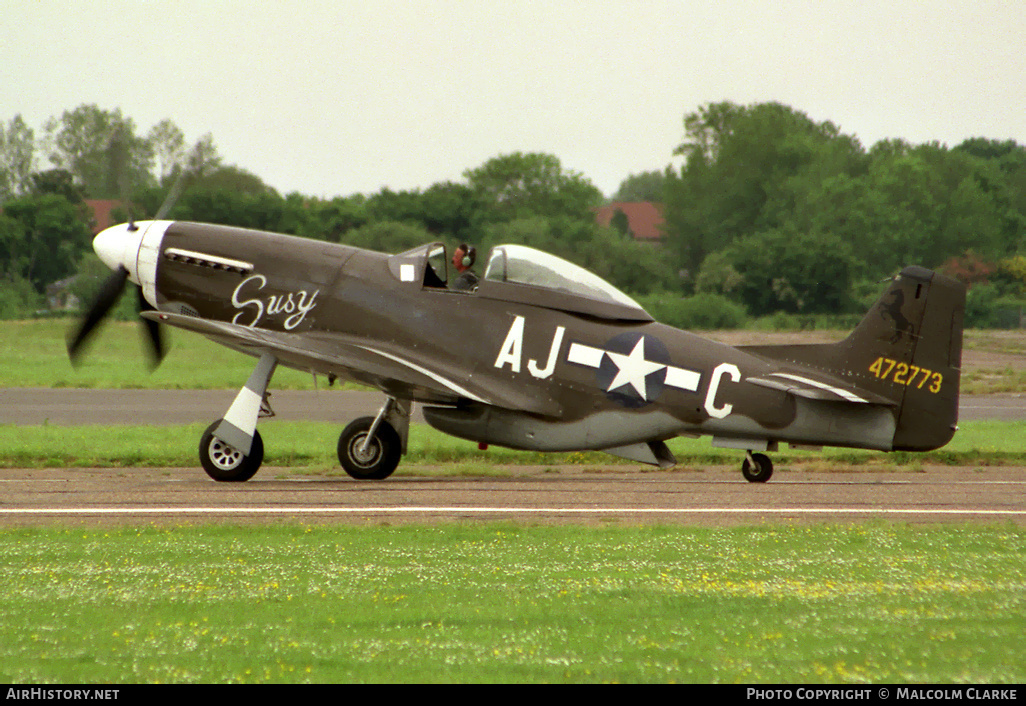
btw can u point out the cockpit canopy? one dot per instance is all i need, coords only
(526, 275)
(522, 274)
(520, 264)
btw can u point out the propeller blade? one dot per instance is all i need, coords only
(154, 332)
(172, 196)
(105, 299)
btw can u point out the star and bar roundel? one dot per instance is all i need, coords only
(633, 369)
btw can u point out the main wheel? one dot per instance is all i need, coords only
(378, 459)
(226, 463)
(760, 472)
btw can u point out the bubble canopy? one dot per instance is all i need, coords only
(519, 264)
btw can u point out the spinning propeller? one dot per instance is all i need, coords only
(108, 295)
(116, 246)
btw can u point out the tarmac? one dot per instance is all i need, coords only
(580, 495)
(708, 496)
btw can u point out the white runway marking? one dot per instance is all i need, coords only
(455, 510)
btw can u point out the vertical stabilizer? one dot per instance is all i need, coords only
(909, 348)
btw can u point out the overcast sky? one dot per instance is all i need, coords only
(338, 97)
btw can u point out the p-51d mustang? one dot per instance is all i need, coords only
(543, 355)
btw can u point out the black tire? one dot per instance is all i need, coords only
(760, 472)
(383, 451)
(224, 463)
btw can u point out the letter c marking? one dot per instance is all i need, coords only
(714, 385)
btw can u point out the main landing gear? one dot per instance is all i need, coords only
(756, 468)
(370, 447)
(231, 449)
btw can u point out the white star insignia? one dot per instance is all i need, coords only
(633, 369)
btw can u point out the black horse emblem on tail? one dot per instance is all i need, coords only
(892, 310)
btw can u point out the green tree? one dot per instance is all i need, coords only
(41, 238)
(100, 149)
(1006, 182)
(781, 270)
(388, 236)
(17, 153)
(332, 220)
(453, 210)
(745, 170)
(646, 186)
(921, 205)
(203, 158)
(18, 298)
(58, 182)
(718, 275)
(167, 142)
(522, 185)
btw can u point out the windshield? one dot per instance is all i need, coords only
(523, 265)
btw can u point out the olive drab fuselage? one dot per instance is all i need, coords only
(564, 366)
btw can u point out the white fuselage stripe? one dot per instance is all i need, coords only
(683, 379)
(845, 394)
(585, 355)
(424, 371)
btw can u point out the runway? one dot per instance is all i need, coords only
(72, 406)
(705, 496)
(708, 497)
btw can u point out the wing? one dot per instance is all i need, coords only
(372, 363)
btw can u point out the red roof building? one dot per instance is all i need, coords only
(101, 210)
(644, 218)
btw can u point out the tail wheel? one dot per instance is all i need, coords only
(224, 462)
(373, 460)
(757, 468)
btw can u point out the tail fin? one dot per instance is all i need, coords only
(908, 348)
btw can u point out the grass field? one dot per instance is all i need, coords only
(500, 603)
(866, 602)
(310, 446)
(35, 355)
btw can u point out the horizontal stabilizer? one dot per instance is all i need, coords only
(802, 386)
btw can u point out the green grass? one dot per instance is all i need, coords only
(34, 354)
(310, 446)
(500, 603)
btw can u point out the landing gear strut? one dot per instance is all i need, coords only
(231, 448)
(757, 468)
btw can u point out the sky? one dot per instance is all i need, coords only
(341, 97)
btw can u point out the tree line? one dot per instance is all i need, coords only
(768, 210)
(785, 213)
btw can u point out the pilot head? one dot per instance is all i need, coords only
(464, 256)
